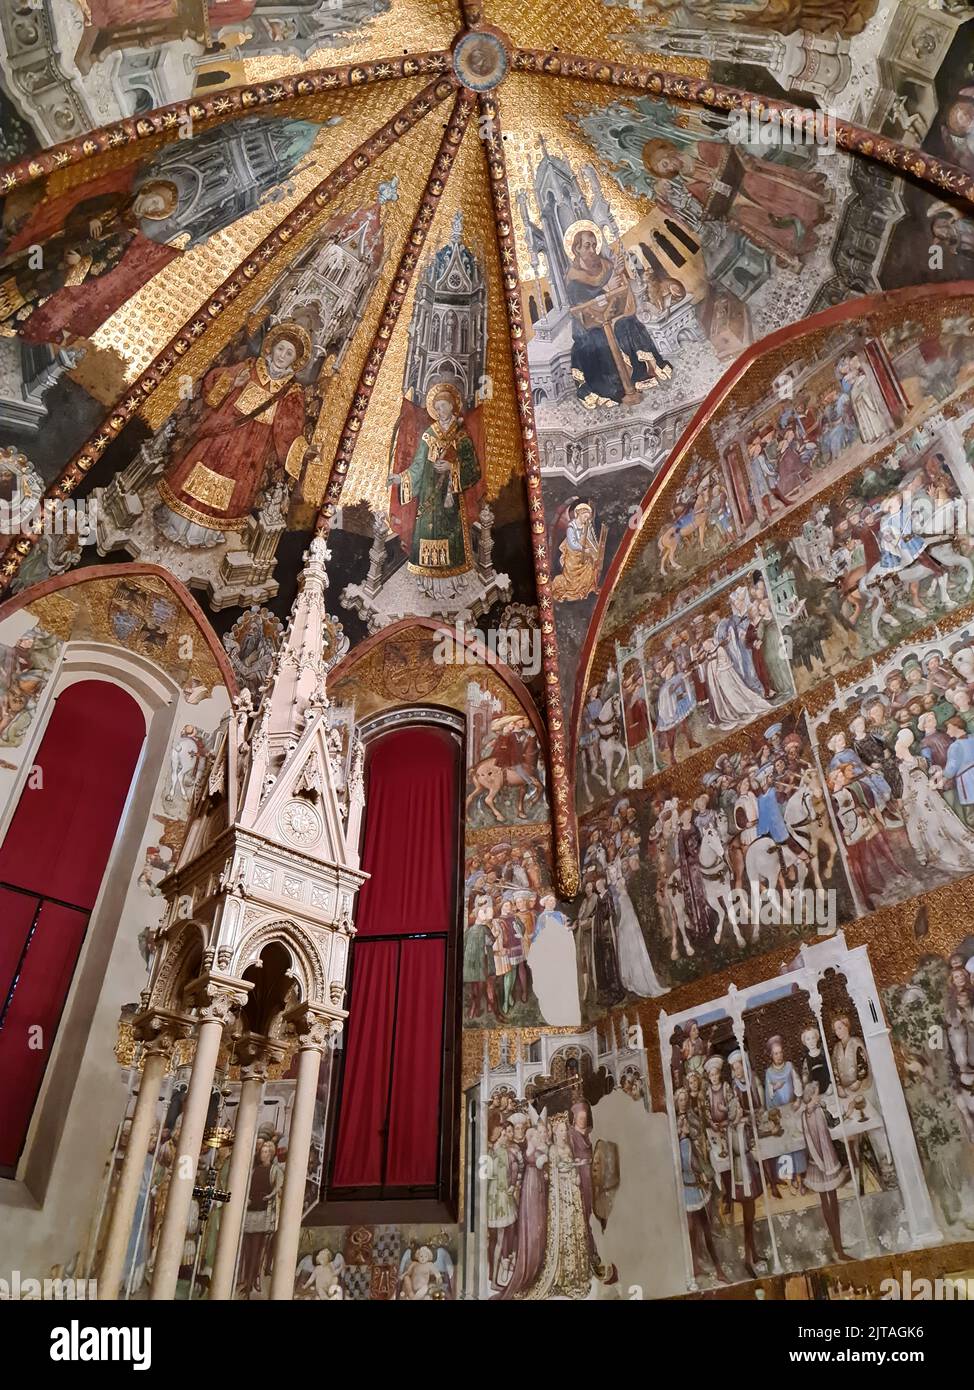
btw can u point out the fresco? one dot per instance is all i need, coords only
(411, 1264)
(103, 241)
(897, 753)
(436, 516)
(728, 856)
(789, 1121)
(79, 64)
(933, 1028)
(774, 726)
(562, 1119)
(854, 401)
(213, 493)
(656, 245)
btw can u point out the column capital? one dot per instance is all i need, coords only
(159, 1030)
(219, 998)
(255, 1053)
(313, 1027)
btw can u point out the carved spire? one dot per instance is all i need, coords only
(296, 689)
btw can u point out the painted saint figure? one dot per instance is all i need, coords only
(776, 208)
(95, 235)
(252, 428)
(581, 554)
(103, 241)
(614, 358)
(435, 493)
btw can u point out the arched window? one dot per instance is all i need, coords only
(394, 1126)
(52, 862)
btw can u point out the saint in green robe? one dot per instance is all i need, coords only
(444, 467)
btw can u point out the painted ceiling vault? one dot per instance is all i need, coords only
(465, 285)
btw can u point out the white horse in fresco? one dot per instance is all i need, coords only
(611, 743)
(766, 863)
(805, 817)
(716, 872)
(911, 576)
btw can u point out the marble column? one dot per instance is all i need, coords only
(313, 1035)
(218, 1008)
(156, 1059)
(253, 1074)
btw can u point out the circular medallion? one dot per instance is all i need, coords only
(300, 823)
(480, 61)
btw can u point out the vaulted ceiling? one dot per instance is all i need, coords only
(243, 245)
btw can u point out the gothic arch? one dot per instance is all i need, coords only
(482, 659)
(61, 583)
(308, 969)
(179, 965)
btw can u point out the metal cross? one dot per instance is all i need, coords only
(209, 1194)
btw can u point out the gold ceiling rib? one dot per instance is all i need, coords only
(140, 328)
(565, 827)
(501, 457)
(409, 260)
(142, 134)
(236, 283)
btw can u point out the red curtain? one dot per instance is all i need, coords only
(57, 846)
(64, 827)
(414, 1114)
(389, 1121)
(365, 1094)
(410, 834)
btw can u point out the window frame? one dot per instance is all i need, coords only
(441, 1201)
(157, 694)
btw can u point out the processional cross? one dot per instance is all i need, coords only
(208, 1194)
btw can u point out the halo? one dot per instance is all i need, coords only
(169, 191)
(295, 334)
(444, 388)
(582, 225)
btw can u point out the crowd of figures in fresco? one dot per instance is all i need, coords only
(783, 1151)
(734, 859)
(553, 1164)
(872, 807)
(898, 756)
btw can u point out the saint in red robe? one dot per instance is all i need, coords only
(254, 423)
(112, 258)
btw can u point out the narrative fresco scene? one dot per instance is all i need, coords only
(486, 649)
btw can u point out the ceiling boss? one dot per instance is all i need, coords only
(480, 59)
